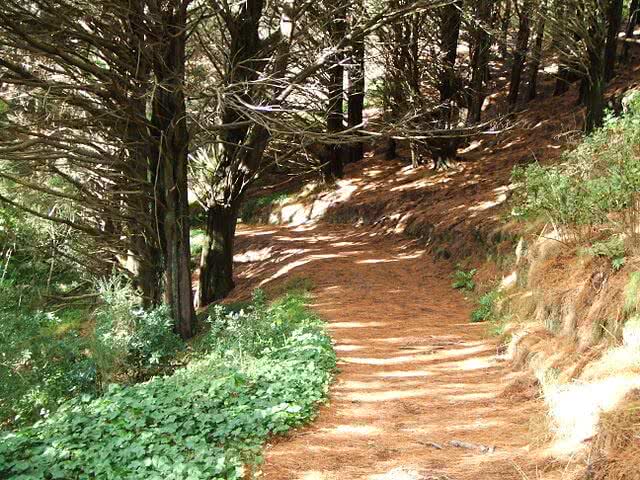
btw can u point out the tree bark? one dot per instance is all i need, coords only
(239, 157)
(595, 82)
(216, 263)
(449, 36)
(338, 153)
(595, 104)
(520, 53)
(631, 26)
(565, 75)
(356, 74)
(536, 55)
(614, 20)
(479, 61)
(390, 151)
(505, 23)
(169, 118)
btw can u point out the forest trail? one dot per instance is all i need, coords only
(413, 370)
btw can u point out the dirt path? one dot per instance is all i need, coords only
(413, 370)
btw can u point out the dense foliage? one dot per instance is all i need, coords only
(596, 185)
(39, 368)
(258, 372)
(42, 355)
(131, 342)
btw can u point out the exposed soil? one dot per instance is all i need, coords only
(413, 370)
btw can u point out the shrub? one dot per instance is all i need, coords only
(463, 280)
(39, 370)
(632, 294)
(612, 248)
(129, 341)
(207, 420)
(596, 184)
(257, 329)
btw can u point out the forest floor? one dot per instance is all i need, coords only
(414, 374)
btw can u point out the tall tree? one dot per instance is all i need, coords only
(337, 26)
(356, 75)
(481, 44)
(580, 35)
(237, 148)
(505, 25)
(634, 5)
(521, 48)
(536, 54)
(449, 36)
(614, 21)
(168, 33)
(114, 144)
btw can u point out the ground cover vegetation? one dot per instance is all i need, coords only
(256, 372)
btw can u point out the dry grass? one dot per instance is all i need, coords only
(570, 332)
(615, 452)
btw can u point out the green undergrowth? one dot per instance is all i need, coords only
(258, 371)
(42, 352)
(486, 308)
(463, 279)
(593, 191)
(39, 367)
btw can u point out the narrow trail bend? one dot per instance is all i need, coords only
(413, 370)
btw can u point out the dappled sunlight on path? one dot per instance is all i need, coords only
(413, 370)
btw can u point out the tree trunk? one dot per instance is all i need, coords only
(583, 91)
(147, 270)
(614, 20)
(145, 258)
(504, 30)
(565, 75)
(595, 84)
(356, 74)
(216, 263)
(479, 61)
(562, 82)
(335, 116)
(169, 118)
(631, 26)
(391, 149)
(449, 36)
(595, 104)
(536, 55)
(520, 53)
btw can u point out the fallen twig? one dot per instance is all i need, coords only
(437, 446)
(472, 446)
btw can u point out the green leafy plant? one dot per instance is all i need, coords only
(262, 371)
(39, 370)
(596, 185)
(632, 294)
(612, 248)
(131, 342)
(463, 279)
(486, 307)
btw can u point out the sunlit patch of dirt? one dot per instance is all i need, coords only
(413, 371)
(460, 210)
